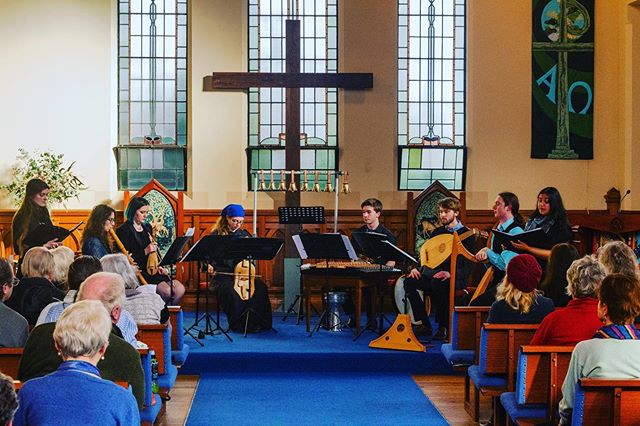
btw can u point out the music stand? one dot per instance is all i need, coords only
(324, 246)
(43, 233)
(300, 215)
(172, 257)
(252, 249)
(377, 247)
(207, 248)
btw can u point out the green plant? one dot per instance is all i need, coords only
(49, 167)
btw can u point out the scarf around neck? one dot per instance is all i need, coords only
(618, 331)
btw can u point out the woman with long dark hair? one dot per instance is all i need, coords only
(230, 223)
(32, 212)
(135, 235)
(96, 240)
(554, 284)
(550, 216)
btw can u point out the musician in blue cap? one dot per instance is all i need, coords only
(234, 295)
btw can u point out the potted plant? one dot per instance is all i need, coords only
(50, 167)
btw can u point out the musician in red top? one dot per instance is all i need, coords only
(435, 282)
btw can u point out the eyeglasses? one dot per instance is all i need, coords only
(14, 282)
(112, 220)
(236, 220)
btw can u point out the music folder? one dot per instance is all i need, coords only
(502, 240)
(378, 247)
(324, 246)
(43, 233)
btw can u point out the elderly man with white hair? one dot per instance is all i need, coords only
(121, 361)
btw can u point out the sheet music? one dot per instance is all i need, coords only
(404, 253)
(189, 232)
(350, 250)
(301, 251)
(189, 251)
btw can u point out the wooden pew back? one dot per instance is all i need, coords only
(154, 336)
(541, 373)
(609, 401)
(10, 361)
(469, 320)
(502, 344)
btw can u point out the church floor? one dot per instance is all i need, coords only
(445, 391)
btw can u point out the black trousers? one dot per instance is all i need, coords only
(233, 306)
(437, 289)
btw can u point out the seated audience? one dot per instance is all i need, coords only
(35, 290)
(614, 350)
(82, 397)
(14, 328)
(145, 307)
(8, 400)
(517, 299)
(62, 259)
(618, 258)
(554, 283)
(121, 361)
(579, 320)
(79, 270)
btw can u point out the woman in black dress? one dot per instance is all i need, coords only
(135, 235)
(550, 216)
(230, 223)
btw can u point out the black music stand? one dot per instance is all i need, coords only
(378, 248)
(326, 247)
(251, 249)
(205, 249)
(170, 259)
(43, 233)
(300, 215)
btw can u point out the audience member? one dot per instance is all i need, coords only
(79, 270)
(579, 320)
(121, 361)
(554, 283)
(614, 350)
(82, 397)
(35, 290)
(96, 239)
(14, 328)
(8, 400)
(517, 299)
(62, 258)
(145, 307)
(618, 258)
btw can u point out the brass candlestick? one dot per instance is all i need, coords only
(272, 182)
(292, 185)
(345, 184)
(305, 183)
(329, 186)
(283, 182)
(316, 185)
(263, 185)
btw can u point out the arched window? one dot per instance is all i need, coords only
(318, 106)
(152, 93)
(431, 93)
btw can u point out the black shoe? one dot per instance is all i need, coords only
(422, 330)
(441, 334)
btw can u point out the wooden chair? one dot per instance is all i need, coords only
(153, 405)
(496, 368)
(539, 379)
(158, 338)
(607, 402)
(459, 249)
(179, 349)
(466, 324)
(10, 361)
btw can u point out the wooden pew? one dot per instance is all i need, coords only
(539, 379)
(465, 335)
(153, 405)
(179, 349)
(10, 361)
(607, 402)
(153, 336)
(496, 369)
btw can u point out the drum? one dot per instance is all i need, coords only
(402, 301)
(334, 301)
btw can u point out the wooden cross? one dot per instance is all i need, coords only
(292, 80)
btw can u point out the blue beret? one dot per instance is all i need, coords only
(233, 210)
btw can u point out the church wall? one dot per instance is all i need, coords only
(60, 95)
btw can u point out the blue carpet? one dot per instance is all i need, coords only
(288, 378)
(311, 399)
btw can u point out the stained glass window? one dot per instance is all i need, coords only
(318, 106)
(431, 93)
(152, 93)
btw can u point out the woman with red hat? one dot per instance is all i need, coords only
(518, 301)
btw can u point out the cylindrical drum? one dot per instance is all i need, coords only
(333, 301)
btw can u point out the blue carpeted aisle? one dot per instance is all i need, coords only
(287, 378)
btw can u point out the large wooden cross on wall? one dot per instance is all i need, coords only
(292, 80)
